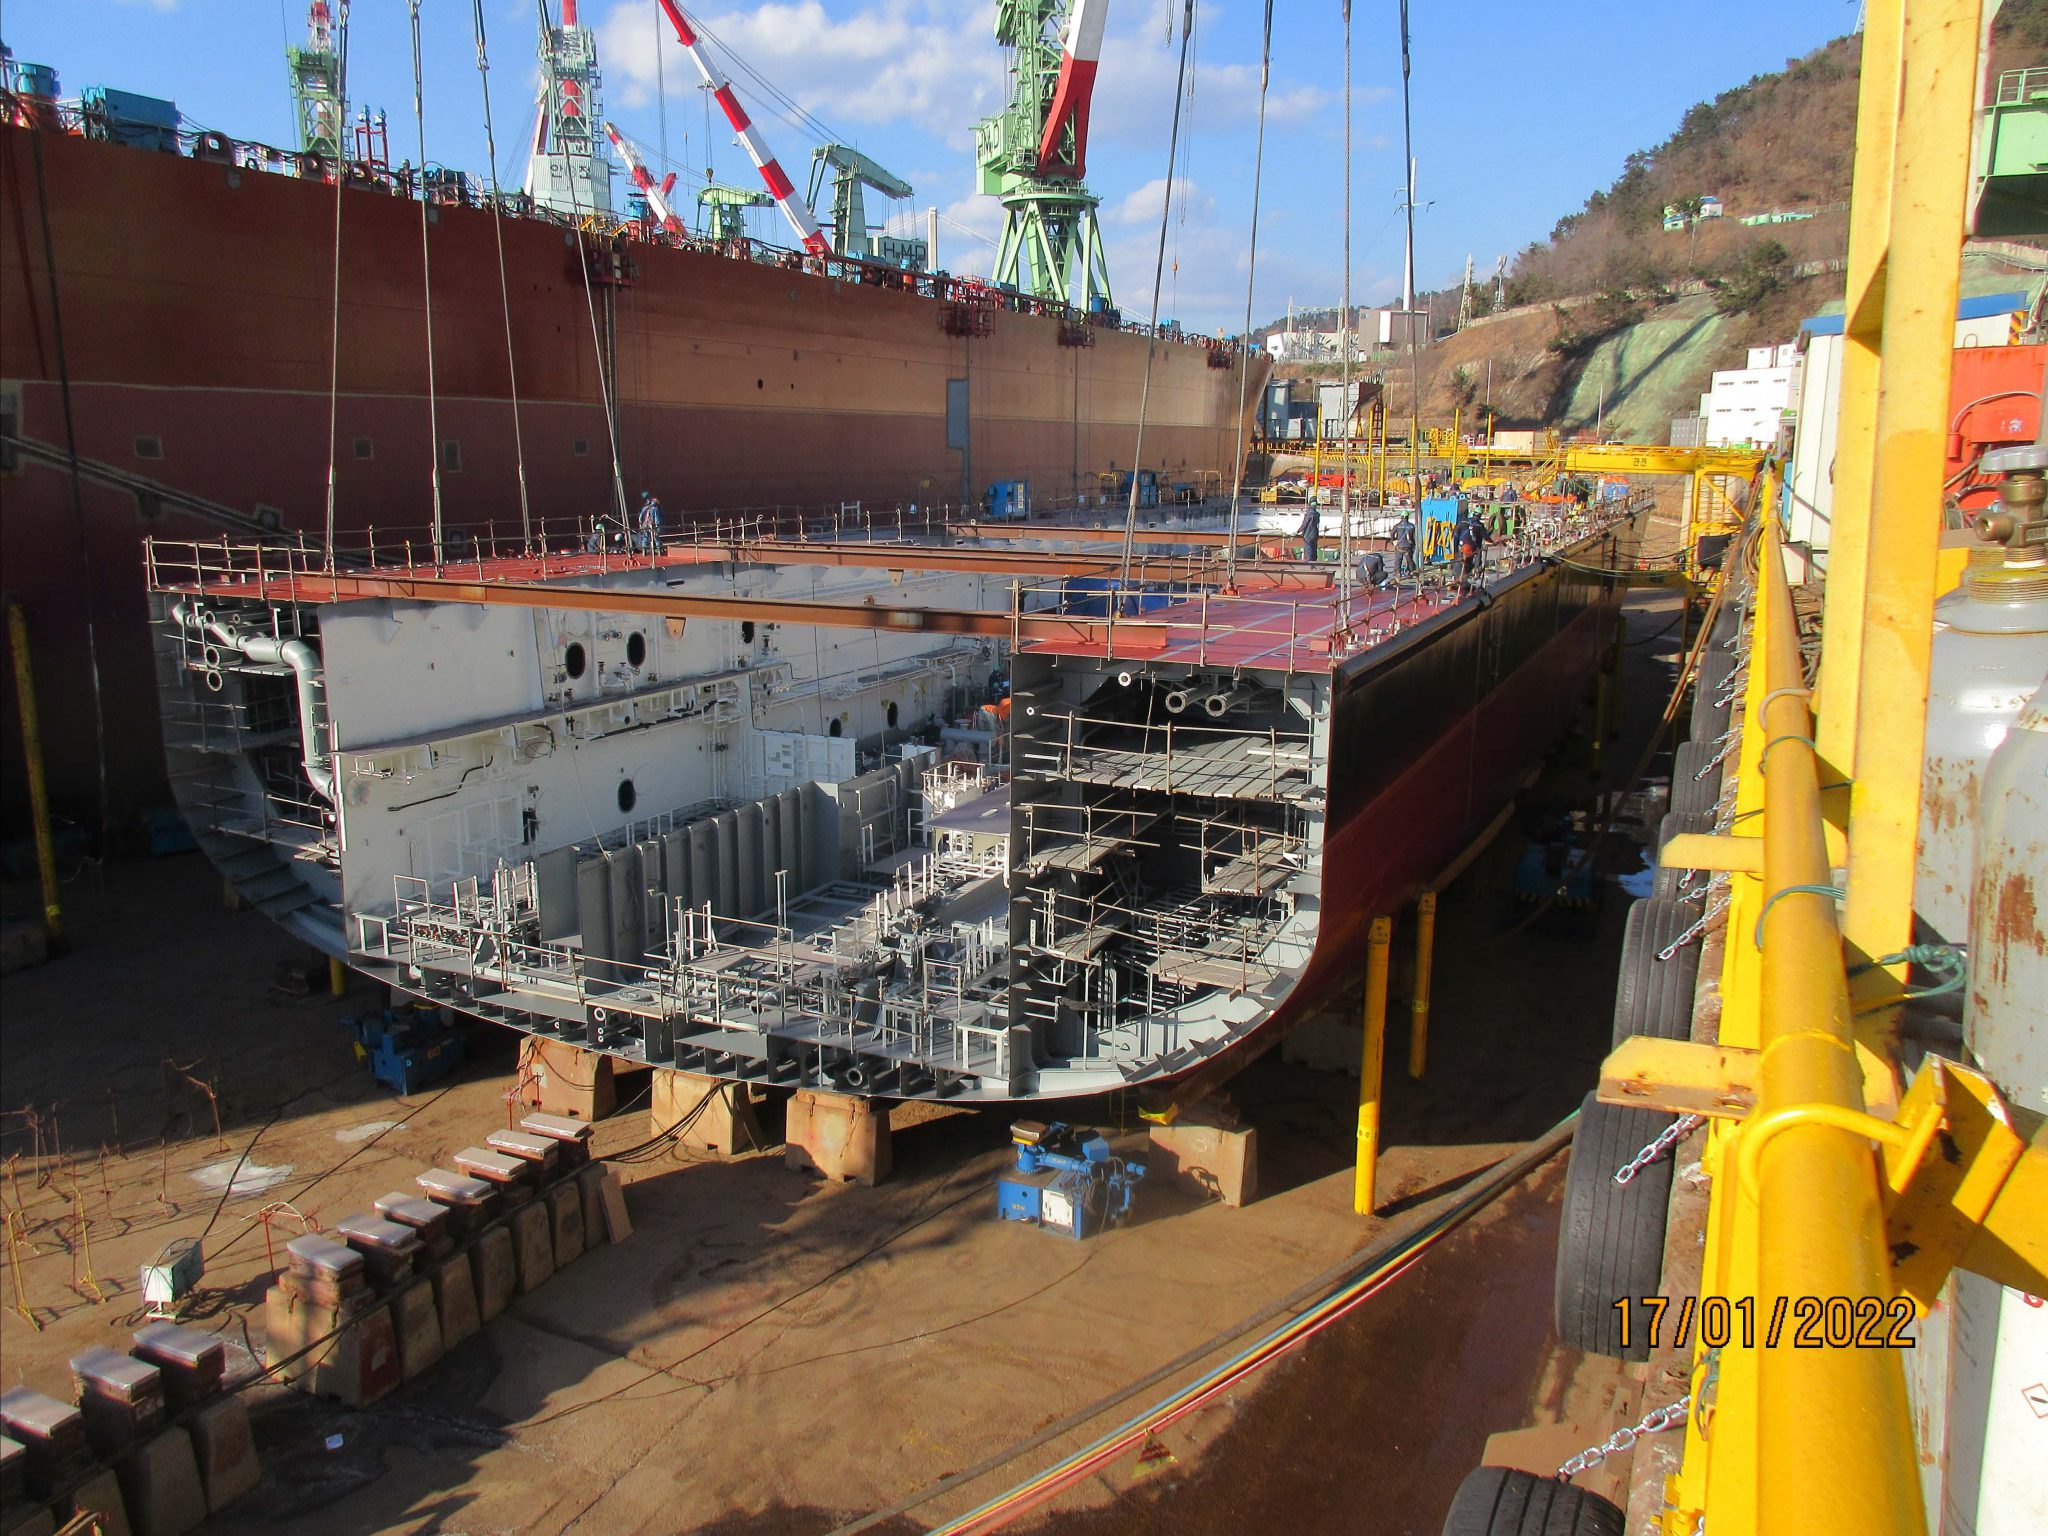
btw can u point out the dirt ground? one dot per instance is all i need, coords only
(769, 1353)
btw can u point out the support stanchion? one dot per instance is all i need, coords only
(1372, 1066)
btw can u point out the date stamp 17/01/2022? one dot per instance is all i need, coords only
(1795, 1322)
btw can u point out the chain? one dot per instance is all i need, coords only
(1670, 1416)
(1697, 928)
(1668, 1138)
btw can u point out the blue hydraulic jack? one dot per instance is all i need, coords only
(408, 1048)
(1066, 1180)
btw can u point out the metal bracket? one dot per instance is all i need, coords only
(1706, 850)
(1681, 1076)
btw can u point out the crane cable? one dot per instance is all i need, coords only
(1346, 331)
(419, 118)
(1244, 372)
(483, 71)
(1180, 84)
(334, 317)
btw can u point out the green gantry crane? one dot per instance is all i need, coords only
(719, 209)
(1032, 154)
(852, 173)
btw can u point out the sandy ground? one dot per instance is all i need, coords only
(769, 1353)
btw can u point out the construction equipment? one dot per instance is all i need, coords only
(854, 171)
(719, 209)
(1033, 153)
(773, 177)
(655, 193)
(408, 1048)
(1067, 1180)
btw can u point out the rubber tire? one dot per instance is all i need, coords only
(1688, 792)
(1668, 880)
(1709, 714)
(1502, 1501)
(1654, 997)
(1610, 1237)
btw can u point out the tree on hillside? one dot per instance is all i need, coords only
(1761, 272)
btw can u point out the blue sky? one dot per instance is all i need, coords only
(1520, 110)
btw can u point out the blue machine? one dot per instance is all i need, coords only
(1436, 541)
(1009, 501)
(1066, 1180)
(408, 1048)
(141, 122)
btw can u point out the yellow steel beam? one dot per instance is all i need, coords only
(1684, 1077)
(1705, 850)
(1931, 172)
(1418, 1006)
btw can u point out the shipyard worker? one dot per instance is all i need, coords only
(1404, 547)
(649, 523)
(1372, 569)
(1470, 536)
(1311, 528)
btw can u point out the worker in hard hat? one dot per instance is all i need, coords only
(648, 524)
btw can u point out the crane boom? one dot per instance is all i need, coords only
(772, 174)
(656, 202)
(1080, 50)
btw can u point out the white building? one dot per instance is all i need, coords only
(1981, 321)
(1747, 407)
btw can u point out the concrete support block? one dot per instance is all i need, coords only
(533, 1247)
(590, 1189)
(160, 1485)
(454, 1283)
(358, 1365)
(720, 1115)
(841, 1137)
(1326, 1042)
(226, 1452)
(565, 1222)
(497, 1276)
(99, 1497)
(565, 1079)
(1208, 1159)
(417, 1318)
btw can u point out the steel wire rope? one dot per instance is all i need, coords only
(1316, 1303)
(1244, 373)
(1345, 330)
(483, 71)
(1158, 277)
(334, 314)
(604, 388)
(419, 117)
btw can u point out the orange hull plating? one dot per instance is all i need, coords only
(197, 304)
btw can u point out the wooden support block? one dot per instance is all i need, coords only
(564, 1079)
(99, 1499)
(417, 1318)
(565, 1222)
(720, 1115)
(533, 1247)
(612, 1192)
(454, 1282)
(497, 1275)
(590, 1187)
(841, 1137)
(160, 1485)
(226, 1452)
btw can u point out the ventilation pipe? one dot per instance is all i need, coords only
(1221, 704)
(269, 651)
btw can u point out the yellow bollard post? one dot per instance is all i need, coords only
(1425, 952)
(1371, 1067)
(337, 977)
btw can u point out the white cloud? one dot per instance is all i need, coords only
(1141, 208)
(928, 63)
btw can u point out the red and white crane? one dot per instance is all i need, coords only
(1080, 51)
(657, 196)
(772, 175)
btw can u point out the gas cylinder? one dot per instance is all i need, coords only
(1990, 651)
(2006, 1027)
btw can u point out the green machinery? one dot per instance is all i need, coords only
(1032, 154)
(316, 86)
(719, 209)
(853, 172)
(2011, 191)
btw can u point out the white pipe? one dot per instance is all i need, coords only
(267, 650)
(1220, 704)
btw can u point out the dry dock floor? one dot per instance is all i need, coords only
(768, 1353)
